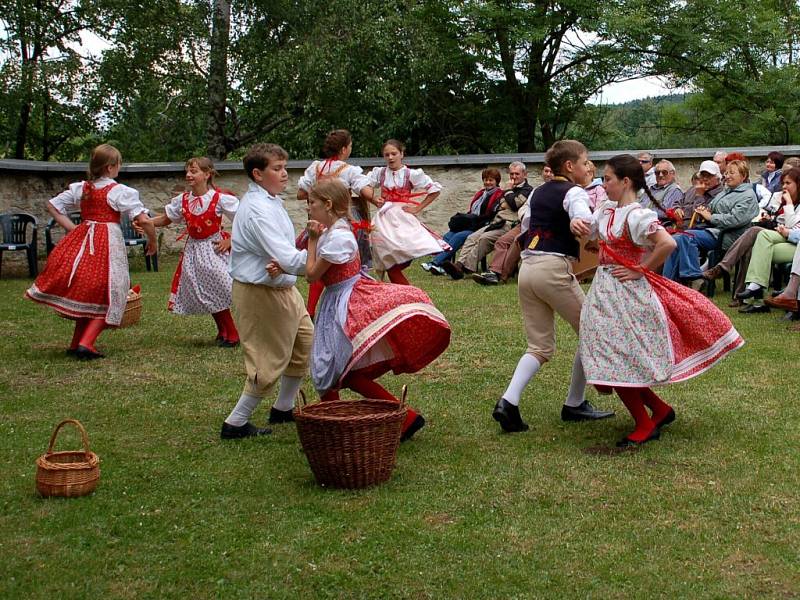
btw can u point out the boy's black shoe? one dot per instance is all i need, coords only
(415, 426)
(280, 416)
(488, 278)
(584, 412)
(508, 416)
(234, 432)
(455, 270)
(757, 294)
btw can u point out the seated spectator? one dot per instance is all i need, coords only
(763, 195)
(646, 160)
(665, 190)
(772, 246)
(706, 186)
(788, 298)
(594, 189)
(506, 250)
(726, 218)
(482, 208)
(481, 242)
(720, 157)
(771, 177)
(739, 252)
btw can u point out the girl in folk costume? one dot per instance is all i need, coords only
(398, 237)
(336, 150)
(201, 284)
(639, 329)
(364, 328)
(86, 277)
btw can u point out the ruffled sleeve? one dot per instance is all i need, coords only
(125, 199)
(173, 209)
(374, 176)
(338, 246)
(355, 179)
(308, 178)
(421, 181)
(227, 205)
(69, 200)
(643, 222)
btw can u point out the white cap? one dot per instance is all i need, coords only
(710, 167)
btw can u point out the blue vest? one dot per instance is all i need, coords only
(548, 230)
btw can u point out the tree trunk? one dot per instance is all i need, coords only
(216, 140)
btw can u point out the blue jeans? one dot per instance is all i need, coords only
(684, 262)
(456, 240)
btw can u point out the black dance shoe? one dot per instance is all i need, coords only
(757, 294)
(584, 412)
(280, 416)
(237, 432)
(508, 416)
(84, 353)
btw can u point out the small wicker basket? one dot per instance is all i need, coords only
(68, 474)
(133, 309)
(351, 444)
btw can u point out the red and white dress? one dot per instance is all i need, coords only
(368, 326)
(397, 236)
(86, 275)
(650, 331)
(201, 284)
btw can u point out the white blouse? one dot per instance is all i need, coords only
(351, 175)
(337, 244)
(121, 198)
(397, 179)
(642, 222)
(227, 205)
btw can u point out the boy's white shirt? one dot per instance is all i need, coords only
(262, 232)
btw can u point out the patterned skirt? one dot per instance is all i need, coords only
(650, 331)
(372, 327)
(86, 275)
(201, 284)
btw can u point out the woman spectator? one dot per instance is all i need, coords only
(594, 187)
(725, 219)
(771, 178)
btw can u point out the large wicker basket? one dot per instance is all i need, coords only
(133, 309)
(68, 474)
(351, 444)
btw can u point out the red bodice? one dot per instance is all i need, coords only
(337, 273)
(399, 194)
(622, 249)
(205, 224)
(94, 204)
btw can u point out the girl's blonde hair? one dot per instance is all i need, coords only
(206, 165)
(335, 192)
(104, 156)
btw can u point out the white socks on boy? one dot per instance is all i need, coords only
(245, 407)
(288, 392)
(577, 385)
(527, 367)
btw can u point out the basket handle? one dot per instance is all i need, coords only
(403, 396)
(77, 424)
(302, 395)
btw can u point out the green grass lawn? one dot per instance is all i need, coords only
(710, 510)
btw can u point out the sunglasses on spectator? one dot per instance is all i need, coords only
(663, 172)
(645, 161)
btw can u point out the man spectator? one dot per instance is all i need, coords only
(481, 242)
(708, 186)
(666, 190)
(721, 158)
(506, 250)
(646, 160)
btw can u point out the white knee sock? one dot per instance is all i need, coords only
(245, 407)
(527, 367)
(288, 392)
(577, 385)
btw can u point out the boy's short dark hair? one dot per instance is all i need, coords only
(259, 155)
(491, 172)
(561, 152)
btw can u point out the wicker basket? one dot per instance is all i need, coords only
(133, 310)
(351, 444)
(68, 474)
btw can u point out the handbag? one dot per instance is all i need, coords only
(465, 222)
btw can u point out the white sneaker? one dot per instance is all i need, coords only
(426, 266)
(436, 270)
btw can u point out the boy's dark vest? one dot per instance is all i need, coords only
(548, 229)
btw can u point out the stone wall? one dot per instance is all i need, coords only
(25, 186)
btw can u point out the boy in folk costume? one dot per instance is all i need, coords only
(274, 327)
(559, 211)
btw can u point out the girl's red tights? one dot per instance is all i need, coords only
(226, 328)
(657, 406)
(91, 330)
(80, 327)
(314, 292)
(369, 389)
(396, 275)
(632, 398)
